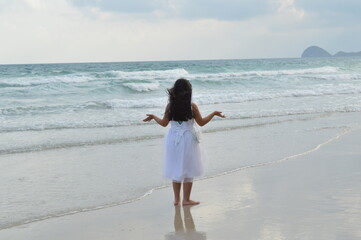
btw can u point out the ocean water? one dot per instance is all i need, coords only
(55, 118)
(53, 104)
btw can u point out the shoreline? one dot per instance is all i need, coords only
(277, 119)
(159, 202)
(148, 192)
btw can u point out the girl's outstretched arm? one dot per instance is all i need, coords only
(163, 122)
(203, 121)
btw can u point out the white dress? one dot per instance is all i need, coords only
(184, 154)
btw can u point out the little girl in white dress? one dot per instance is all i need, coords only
(184, 154)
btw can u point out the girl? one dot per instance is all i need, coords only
(184, 155)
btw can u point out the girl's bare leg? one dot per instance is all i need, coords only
(187, 188)
(176, 190)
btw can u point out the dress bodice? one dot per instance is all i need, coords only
(182, 124)
(179, 128)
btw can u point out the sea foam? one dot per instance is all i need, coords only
(142, 87)
(150, 74)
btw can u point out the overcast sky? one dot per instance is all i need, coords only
(43, 31)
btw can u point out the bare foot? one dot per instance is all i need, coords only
(176, 201)
(190, 202)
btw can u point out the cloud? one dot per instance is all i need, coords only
(334, 13)
(95, 30)
(288, 7)
(224, 10)
(186, 9)
(133, 6)
(345, 6)
(43, 31)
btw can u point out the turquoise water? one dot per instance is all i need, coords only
(72, 137)
(50, 98)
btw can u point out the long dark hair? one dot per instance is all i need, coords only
(180, 101)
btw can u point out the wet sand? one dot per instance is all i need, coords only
(312, 196)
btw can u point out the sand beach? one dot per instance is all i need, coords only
(316, 195)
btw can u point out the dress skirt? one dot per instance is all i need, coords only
(184, 154)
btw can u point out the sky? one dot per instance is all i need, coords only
(43, 31)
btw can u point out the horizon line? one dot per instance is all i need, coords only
(139, 61)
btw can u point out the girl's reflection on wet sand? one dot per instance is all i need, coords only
(186, 230)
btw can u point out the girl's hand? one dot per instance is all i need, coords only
(219, 114)
(149, 118)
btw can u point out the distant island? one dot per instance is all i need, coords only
(314, 51)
